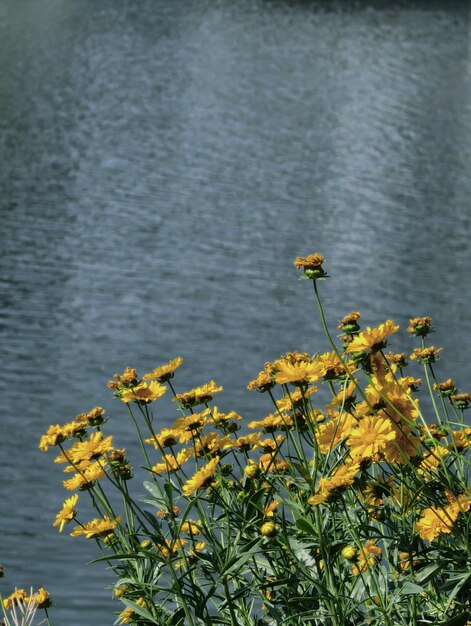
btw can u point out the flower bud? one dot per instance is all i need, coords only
(349, 553)
(268, 529)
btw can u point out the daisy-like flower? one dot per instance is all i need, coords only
(373, 339)
(331, 366)
(67, 513)
(426, 355)
(295, 399)
(211, 445)
(86, 477)
(164, 372)
(368, 557)
(334, 431)
(57, 434)
(95, 417)
(41, 598)
(435, 521)
(189, 426)
(143, 393)
(349, 324)
(300, 373)
(244, 443)
(461, 400)
(342, 477)
(127, 379)
(202, 478)
(19, 595)
(90, 450)
(370, 437)
(223, 418)
(345, 397)
(311, 265)
(191, 527)
(404, 447)
(409, 383)
(432, 461)
(97, 527)
(264, 382)
(420, 326)
(398, 359)
(461, 439)
(172, 463)
(273, 422)
(446, 388)
(198, 395)
(166, 438)
(272, 464)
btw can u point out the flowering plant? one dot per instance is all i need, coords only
(345, 506)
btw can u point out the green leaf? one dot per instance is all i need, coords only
(426, 573)
(138, 609)
(306, 527)
(409, 589)
(458, 620)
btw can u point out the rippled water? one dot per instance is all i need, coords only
(162, 165)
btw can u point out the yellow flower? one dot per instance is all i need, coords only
(164, 372)
(432, 461)
(461, 439)
(41, 598)
(270, 463)
(368, 557)
(373, 339)
(67, 513)
(221, 418)
(89, 450)
(95, 417)
(126, 616)
(166, 438)
(446, 388)
(330, 366)
(19, 595)
(268, 529)
(426, 355)
(143, 393)
(191, 527)
(420, 326)
(404, 447)
(126, 379)
(245, 443)
(56, 434)
(312, 265)
(344, 397)
(349, 324)
(198, 395)
(342, 477)
(86, 478)
(202, 478)
(263, 382)
(434, 522)
(370, 437)
(172, 463)
(97, 527)
(334, 431)
(171, 548)
(273, 422)
(189, 426)
(211, 444)
(300, 373)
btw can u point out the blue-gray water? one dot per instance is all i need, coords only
(162, 164)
